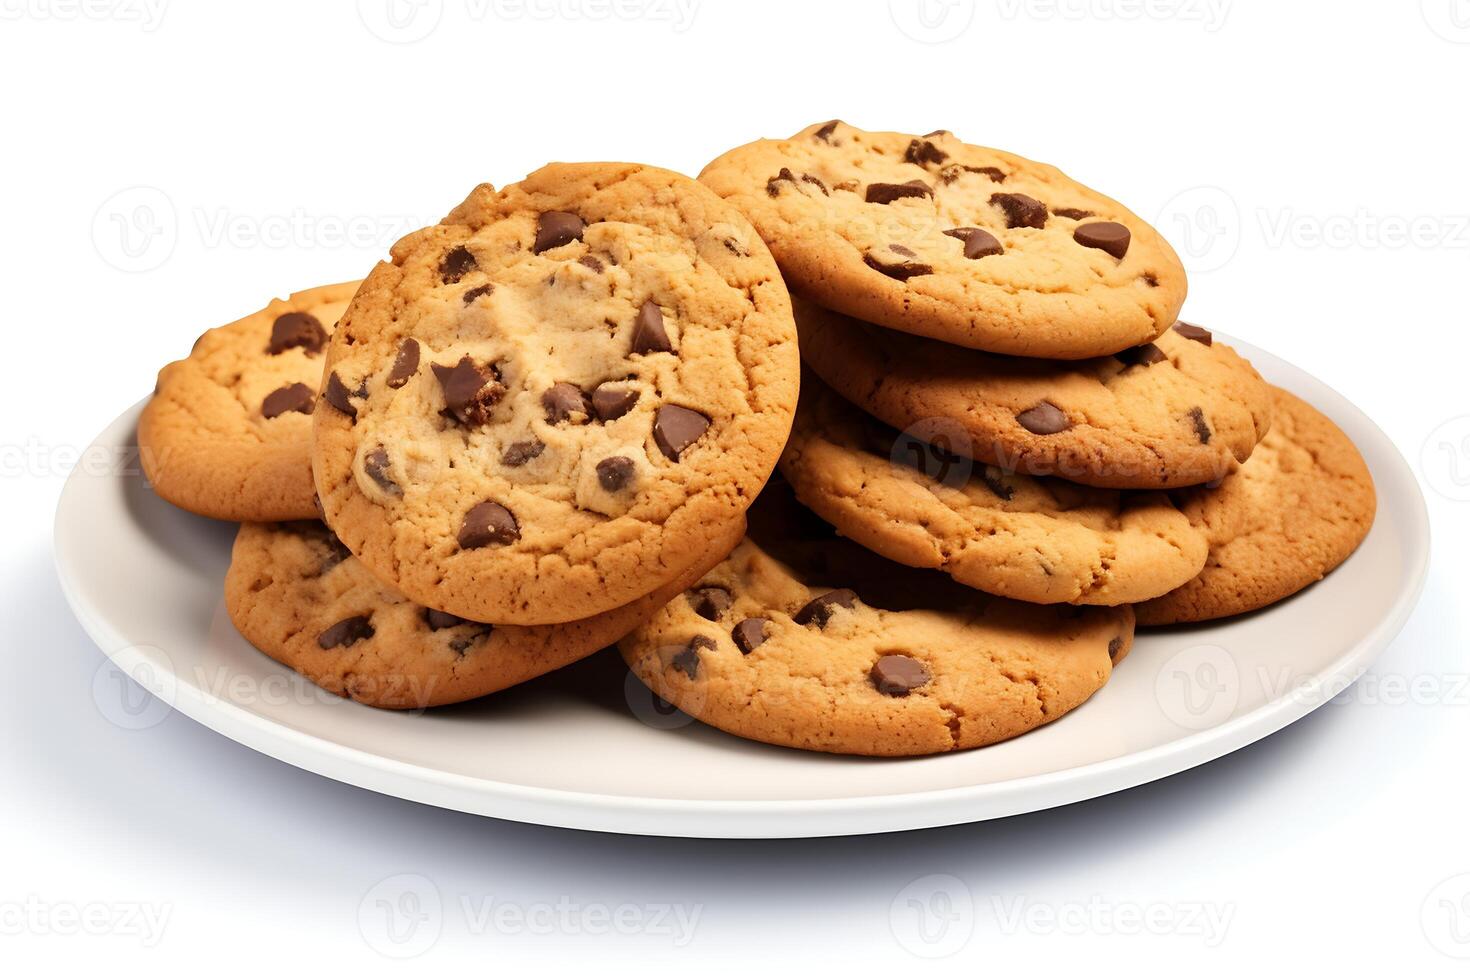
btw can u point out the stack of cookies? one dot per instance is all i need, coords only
(551, 423)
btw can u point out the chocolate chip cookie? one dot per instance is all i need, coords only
(833, 649)
(227, 433)
(539, 409)
(1040, 540)
(1178, 411)
(1295, 511)
(969, 245)
(297, 594)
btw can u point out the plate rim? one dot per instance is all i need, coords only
(773, 818)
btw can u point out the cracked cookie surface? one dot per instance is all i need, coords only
(227, 433)
(297, 594)
(833, 649)
(1036, 539)
(1293, 512)
(1179, 411)
(537, 410)
(974, 246)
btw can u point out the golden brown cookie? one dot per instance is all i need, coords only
(837, 650)
(539, 409)
(1177, 412)
(297, 594)
(965, 244)
(1039, 540)
(227, 433)
(1295, 511)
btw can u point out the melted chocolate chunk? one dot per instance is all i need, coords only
(888, 193)
(924, 152)
(676, 428)
(488, 523)
(1044, 419)
(565, 402)
(1109, 236)
(457, 263)
(905, 268)
(614, 473)
(295, 330)
(292, 398)
(1020, 211)
(1196, 333)
(346, 632)
(824, 133)
(749, 633)
(405, 365)
(475, 292)
(441, 620)
(1144, 354)
(557, 228)
(978, 242)
(710, 601)
(339, 397)
(611, 401)
(1115, 647)
(819, 611)
(1076, 214)
(521, 453)
(592, 262)
(896, 674)
(649, 335)
(686, 659)
(1201, 427)
(470, 390)
(379, 468)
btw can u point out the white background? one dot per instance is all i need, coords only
(170, 166)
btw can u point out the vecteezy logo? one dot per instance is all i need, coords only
(932, 21)
(1445, 916)
(1450, 19)
(933, 916)
(1198, 687)
(136, 229)
(401, 916)
(1204, 224)
(1445, 458)
(649, 706)
(938, 447)
(400, 21)
(131, 704)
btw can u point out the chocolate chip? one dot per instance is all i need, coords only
(1150, 280)
(710, 601)
(773, 184)
(815, 182)
(405, 365)
(614, 473)
(735, 248)
(686, 658)
(475, 292)
(904, 269)
(649, 335)
(462, 643)
(1142, 354)
(611, 401)
(378, 466)
(441, 620)
(488, 523)
(592, 262)
(1044, 419)
(1109, 236)
(470, 391)
(1021, 211)
(291, 398)
(1115, 646)
(456, 264)
(888, 193)
(296, 330)
(749, 633)
(994, 173)
(557, 228)
(824, 133)
(978, 242)
(896, 674)
(336, 554)
(952, 173)
(819, 610)
(924, 152)
(337, 395)
(675, 429)
(346, 633)
(1192, 332)
(565, 402)
(521, 453)
(1201, 427)
(1076, 214)
(991, 477)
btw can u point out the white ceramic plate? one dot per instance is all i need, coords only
(589, 748)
